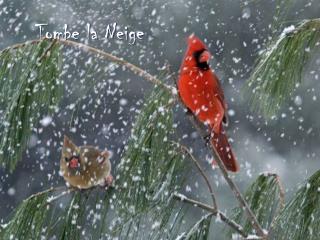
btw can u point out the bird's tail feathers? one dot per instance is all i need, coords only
(221, 144)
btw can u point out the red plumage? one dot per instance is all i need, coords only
(200, 91)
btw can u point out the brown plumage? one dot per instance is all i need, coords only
(85, 166)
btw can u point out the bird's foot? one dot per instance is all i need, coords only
(207, 138)
(189, 112)
(108, 181)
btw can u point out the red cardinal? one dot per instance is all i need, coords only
(200, 91)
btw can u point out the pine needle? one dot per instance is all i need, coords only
(200, 230)
(265, 197)
(75, 217)
(300, 219)
(279, 69)
(29, 86)
(28, 220)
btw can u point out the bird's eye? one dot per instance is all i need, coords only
(66, 159)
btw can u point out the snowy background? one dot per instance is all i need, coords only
(235, 31)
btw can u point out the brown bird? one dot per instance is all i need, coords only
(85, 166)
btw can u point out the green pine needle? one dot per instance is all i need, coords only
(75, 216)
(200, 230)
(280, 67)
(28, 86)
(265, 198)
(41, 216)
(28, 220)
(300, 219)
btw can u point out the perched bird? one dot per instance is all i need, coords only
(86, 166)
(201, 92)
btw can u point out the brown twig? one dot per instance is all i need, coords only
(52, 189)
(120, 61)
(238, 195)
(135, 69)
(214, 211)
(243, 203)
(63, 193)
(205, 177)
(63, 189)
(47, 50)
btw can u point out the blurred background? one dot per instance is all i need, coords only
(235, 32)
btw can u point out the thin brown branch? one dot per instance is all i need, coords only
(243, 203)
(135, 69)
(205, 177)
(140, 72)
(237, 193)
(44, 55)
(52, 189)
(63, 193)
(63, 189)
(214, 211)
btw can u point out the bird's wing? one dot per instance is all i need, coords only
(220, 95)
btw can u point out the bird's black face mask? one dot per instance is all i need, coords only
(202, 65)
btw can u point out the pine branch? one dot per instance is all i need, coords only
(280, 67)
(151, 170)
(300, 218)
(101, 54)
(48, 215)
(12, 143)
(28, 86)
(262, 196)
(215, 212)
(266, 198)
(27, 217)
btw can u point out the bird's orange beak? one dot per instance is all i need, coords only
(205, 56)
(74, 163)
